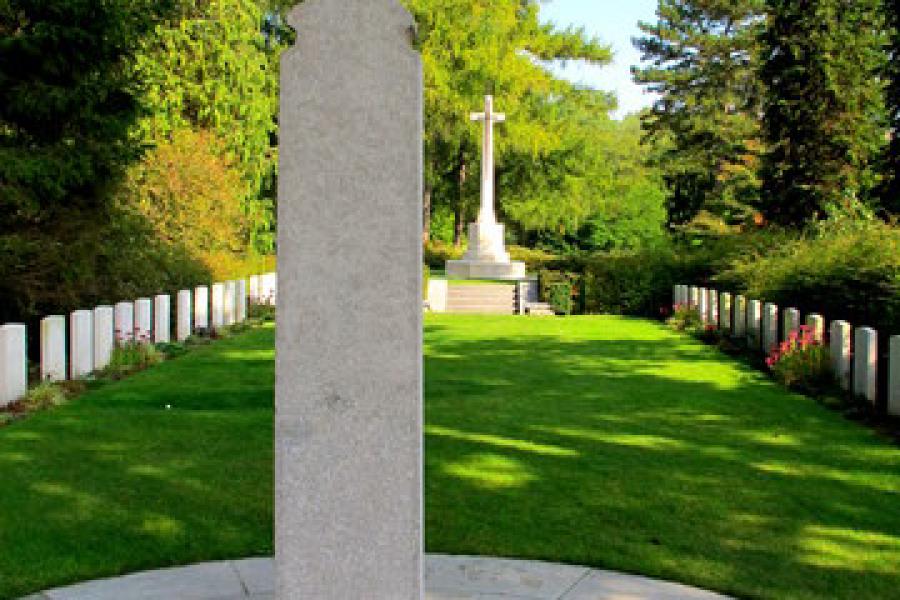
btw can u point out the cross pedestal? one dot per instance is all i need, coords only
(487, 257)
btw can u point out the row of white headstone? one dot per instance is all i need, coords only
(855, 365)
(93, 334)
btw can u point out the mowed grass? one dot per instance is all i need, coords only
(115, 482)
(616, 443)
(600, 441)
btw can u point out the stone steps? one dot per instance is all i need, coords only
(482, 299)
(540, 309)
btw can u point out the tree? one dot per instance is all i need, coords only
(215, 68)
(890, 193)
(705, 127)
(824, 108)
(475, 47)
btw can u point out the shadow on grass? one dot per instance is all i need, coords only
(657, 456)
(117, 482)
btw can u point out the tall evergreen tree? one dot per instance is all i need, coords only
(824, 110)
(702, 58)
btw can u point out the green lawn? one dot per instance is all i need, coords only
(600, 441)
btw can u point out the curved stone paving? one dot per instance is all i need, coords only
(446, 578)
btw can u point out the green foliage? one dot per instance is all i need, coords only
(843, 269)
(890, 192)
(129, 357)
(803, 363)
(43, 396)
(436, 254)
(560, 297)
(686, 318)
(702, 59)
(215, 69)
(824, 110)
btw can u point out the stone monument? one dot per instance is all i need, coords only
(348, 472)
(487, 257)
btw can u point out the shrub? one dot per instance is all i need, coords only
(130, 357)
(802, 363)
(844, 269)
(534, 259)
(685, 318)
(437, 253)
(45, 395)
(560, 297)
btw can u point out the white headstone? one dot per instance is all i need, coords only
(269, 283)
(754, 324)
(162, 322)
(816, 324)
(740, 316)
(143, 320)
(791, 323)
(865, 365)
(81, 344)
(53, 349)
(201, 307)
(676, 293)
(840, 352)
(104, 336)
(703, 307)
(13, 363)
(254, 289)
(218, 305)
(241, 301)
(438, 292)
(712, 307)
(184, 327)
(725, 312)
(230, 302)
(349, 406)
(770, 327)
(894, 378)
(124, 322)
(694, 299)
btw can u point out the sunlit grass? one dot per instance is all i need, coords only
(668, 459)
(607, 442)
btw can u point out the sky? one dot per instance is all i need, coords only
(615, 23)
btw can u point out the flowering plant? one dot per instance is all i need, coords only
(802, 362)
(685, 318)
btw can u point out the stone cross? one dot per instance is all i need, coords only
(348, 425)
(488, 216)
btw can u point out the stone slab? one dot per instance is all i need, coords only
(348, 499)
(791, 323)
(472, 574)
(53, 349)
(607, 585)
(438, 291)
(230, 303)
(725, 312)
(104, 336)
(241, 301)
(184, 327)
(894, 378)
(740, 316)
(81, 344)
(162, 319)
(865, 364)
(816, 324)
(769, 327)
(143, 320)
(124, 322)
(201, 307)
(218, 306)
(473, 269)
(841, 332)
(13, 363)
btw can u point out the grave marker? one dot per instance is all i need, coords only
(770, 327)
(184, 329)
(81, 344)
(143, 320)
(162, 323)
(840, 352)
(230, 302)
(725, 312)
(218, 305)
(104, 336)
(13, 363)
(791, 323)
(754, 324)
(816, 324)
(241, 304)
(124, 322)
(53, 349)
(865, 364)
(349, 413)
(201, 307)
(894, 378)
(740, 316)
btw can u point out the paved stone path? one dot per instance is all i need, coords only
(446, 578)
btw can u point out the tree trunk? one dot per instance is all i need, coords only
(426, 215)
(459, 213)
